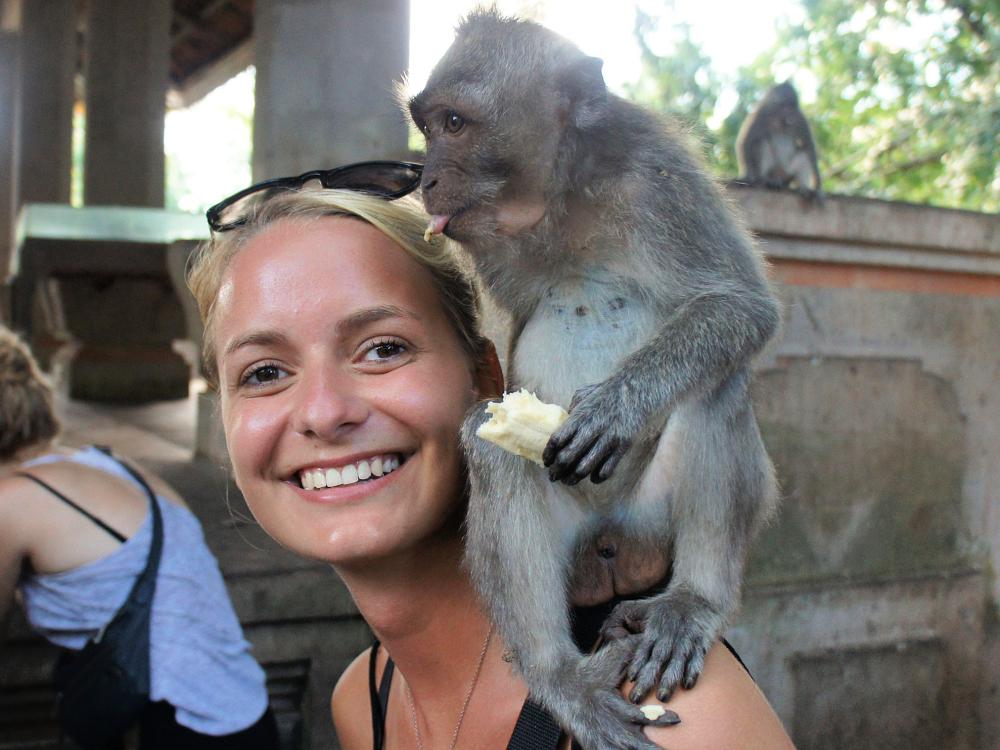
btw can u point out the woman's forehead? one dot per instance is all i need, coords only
(335, 262)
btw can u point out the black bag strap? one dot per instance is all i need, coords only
(535, 730)
(83, 511)
(145, 584)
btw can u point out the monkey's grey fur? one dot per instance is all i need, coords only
(775, 146)
(637, 300)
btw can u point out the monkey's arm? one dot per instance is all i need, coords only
(701, 343)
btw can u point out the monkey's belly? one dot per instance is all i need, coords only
(580, 330)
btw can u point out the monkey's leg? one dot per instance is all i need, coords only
(520, 533)
(723, 489)
(805, 175)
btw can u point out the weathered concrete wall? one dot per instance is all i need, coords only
(869, 602)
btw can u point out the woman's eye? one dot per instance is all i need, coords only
(453, 122)
(381, 351)
(262, 375)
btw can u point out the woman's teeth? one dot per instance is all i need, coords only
(317, 479)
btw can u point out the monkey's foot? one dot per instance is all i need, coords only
(588, 704)
(678, 628)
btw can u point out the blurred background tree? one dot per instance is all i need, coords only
(903, 96)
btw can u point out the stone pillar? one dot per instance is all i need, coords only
(48, 66)
(128, 48)
(8, 151)
(48, 54)
(124, 320)
(325, 77)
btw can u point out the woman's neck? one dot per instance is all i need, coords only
(423, 608)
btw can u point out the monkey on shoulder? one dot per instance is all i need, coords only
(775, 146)
(637, 301)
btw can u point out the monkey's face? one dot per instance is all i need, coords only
(487, 162)
(494, 115)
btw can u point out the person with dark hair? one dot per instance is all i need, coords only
(75, 534)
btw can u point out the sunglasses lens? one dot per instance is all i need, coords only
(389, 180)
(386, 179)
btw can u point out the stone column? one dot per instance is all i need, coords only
(128, 48)
(325, 77)
(48, 66)
(48, 54)
(125, 318)
(8, 151)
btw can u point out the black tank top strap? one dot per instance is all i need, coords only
(378, 696)
(117, 535)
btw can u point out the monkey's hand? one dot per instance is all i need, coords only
(677, 628)
(594, 438)
(584, 698)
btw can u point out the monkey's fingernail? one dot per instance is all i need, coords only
(668, 719)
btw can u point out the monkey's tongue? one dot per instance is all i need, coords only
(437, 223)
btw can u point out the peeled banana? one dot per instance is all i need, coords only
(522, 424)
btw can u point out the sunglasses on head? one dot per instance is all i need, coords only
(387, 179)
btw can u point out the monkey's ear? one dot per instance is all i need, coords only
(582, 83)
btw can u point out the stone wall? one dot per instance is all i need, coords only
(870, 603)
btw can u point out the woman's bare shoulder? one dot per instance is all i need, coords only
(350, 704)
(724, 710)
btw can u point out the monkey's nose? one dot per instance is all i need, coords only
(428, 185)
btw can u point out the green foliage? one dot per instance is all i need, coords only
(903, 96)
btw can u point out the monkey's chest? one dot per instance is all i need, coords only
(581, 329)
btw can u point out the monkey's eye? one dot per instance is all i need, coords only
(453, 122)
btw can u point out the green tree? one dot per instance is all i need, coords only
(907, 97)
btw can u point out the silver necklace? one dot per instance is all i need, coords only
(465, 703)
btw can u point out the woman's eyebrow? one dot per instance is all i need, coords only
(345, 326)
(256, 338)
(368, 315)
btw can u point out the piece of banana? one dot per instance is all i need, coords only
(522, 424)
(652, 711)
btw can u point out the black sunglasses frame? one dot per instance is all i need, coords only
(338, 177)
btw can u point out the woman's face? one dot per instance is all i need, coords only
(343, 387)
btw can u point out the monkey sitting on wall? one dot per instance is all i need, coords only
(775, 146)
(637, 301)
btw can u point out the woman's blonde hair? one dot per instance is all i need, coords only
(402, 220)
(27, 416)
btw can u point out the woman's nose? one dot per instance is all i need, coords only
(327, 404)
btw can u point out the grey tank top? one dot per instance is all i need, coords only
(200, 662)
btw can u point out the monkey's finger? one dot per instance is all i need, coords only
(692, 669)
(639, 659)
(604, 471)
(667, 719)
(564, 466)
(674, 669)
(663, 651)
(595, 457)
(580, 395)
(559, 438)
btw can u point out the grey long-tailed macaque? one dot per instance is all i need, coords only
(775, 146)
(637, 301)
